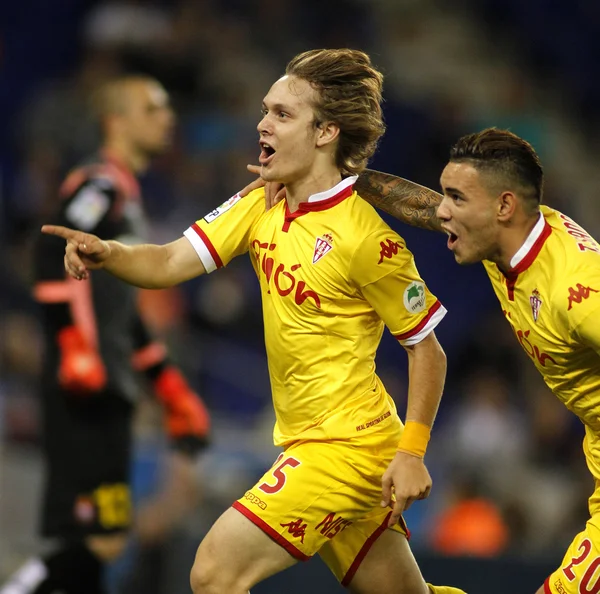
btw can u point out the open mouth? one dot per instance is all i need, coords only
(266, 153)
(452, 239)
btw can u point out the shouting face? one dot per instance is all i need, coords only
(468, 213)
(290, 138)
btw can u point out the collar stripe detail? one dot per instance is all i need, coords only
(321, 201)
(530, 244)
(527, 254)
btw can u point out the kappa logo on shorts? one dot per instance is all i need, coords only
(296, 528)
(252, 498)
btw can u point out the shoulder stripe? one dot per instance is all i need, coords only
(434, 316)
(204, 248)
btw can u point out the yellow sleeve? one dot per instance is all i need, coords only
(224, 233)
(581, 303)
(384, 270)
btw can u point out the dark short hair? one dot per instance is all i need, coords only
(512, 159)
(349, 93)
(111, 97)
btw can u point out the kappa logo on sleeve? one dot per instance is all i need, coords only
(578, 293)
(389, 249)
(217, 212)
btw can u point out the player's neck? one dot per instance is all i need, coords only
(512, 241)
(300, 190)
(122, 151)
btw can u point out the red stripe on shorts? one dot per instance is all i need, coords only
(363, 552)
(280, 540)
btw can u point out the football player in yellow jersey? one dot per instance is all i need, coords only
(332, 273)
(545, 271)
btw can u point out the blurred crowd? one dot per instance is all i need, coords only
(506, 460)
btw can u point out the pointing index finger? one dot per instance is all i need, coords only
(396, 513)
(59, 231)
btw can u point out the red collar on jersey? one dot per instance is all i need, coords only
(527, 259)
(321, 201)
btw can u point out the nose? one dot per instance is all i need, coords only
(263, 126)
(443, 211)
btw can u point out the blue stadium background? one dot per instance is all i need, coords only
(501, 437)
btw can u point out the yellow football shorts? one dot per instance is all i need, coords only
(580, 569)
(325, 497)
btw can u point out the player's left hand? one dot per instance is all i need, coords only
(409, 480)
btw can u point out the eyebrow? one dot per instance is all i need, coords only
(278, 107)
(451, 190)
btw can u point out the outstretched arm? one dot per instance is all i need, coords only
(147, 266)
(405, 200)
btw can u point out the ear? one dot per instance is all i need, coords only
(327, 133)
(507, 205)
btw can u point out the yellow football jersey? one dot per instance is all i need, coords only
(331, 274)
(551, 298)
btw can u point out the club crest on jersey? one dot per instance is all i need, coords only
(323, 246)
(536, 304)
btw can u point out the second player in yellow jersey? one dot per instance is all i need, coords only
(551, 298)
(545, 271)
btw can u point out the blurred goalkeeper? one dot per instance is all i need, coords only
(96, 347)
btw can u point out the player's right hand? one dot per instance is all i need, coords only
(274, 192)
(83, 252)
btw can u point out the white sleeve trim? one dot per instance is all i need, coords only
(201, 249)
(435, 319)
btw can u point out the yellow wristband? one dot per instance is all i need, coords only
(415, 438)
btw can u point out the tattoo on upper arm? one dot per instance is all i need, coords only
(405, 200)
